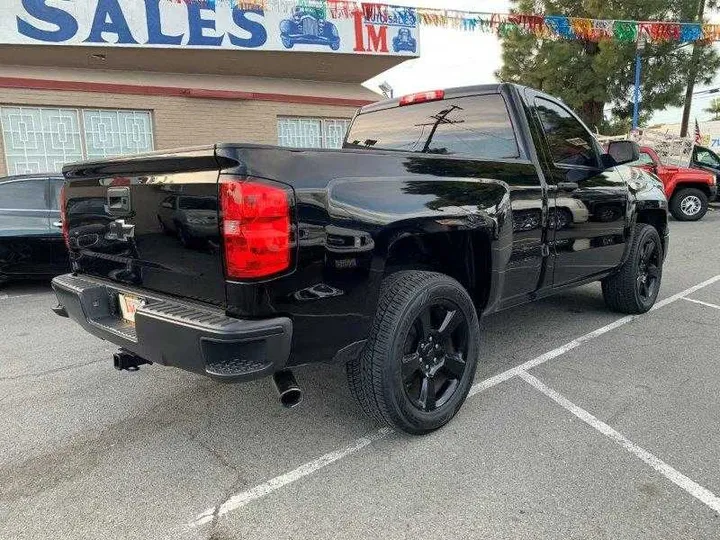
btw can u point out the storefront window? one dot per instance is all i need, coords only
(312, 132)
(114, 133)
(39, 140)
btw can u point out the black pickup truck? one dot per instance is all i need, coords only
(242, 261)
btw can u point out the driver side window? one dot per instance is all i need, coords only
(707, 158)
(569, 141)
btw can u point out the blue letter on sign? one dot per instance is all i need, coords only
(67, 26)
(258, 34)
(154, 24)
(198, 24)
(116, 24)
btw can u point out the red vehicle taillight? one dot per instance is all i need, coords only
(63, 216)
(256, 228)
(422, 97)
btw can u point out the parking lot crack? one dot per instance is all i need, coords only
(238, 482)
(237, 485)
(205, 427)
(49, 371)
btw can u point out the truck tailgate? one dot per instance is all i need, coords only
(149, 221)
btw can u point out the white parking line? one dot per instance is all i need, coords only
(707, 304)
(693, 488)
(242, 499)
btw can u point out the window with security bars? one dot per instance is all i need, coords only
(312, 132)
(115, 133)
(43, 139)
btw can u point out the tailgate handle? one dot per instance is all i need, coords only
(118, 200)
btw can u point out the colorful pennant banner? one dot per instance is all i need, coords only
(502, 24)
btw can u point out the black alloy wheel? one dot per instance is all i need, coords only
(435, 355)
(420, 358)
(633, 288)
(648, 278)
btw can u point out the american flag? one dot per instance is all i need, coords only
(698, 136)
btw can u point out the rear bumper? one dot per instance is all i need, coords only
(175, 333)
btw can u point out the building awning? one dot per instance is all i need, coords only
(347, 68)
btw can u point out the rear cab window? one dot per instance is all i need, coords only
(198, 203)
(475, 126)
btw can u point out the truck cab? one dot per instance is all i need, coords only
(706, 160)
(688, 190)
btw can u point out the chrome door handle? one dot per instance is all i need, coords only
(568, 185)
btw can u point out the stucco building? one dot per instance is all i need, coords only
(92, 78)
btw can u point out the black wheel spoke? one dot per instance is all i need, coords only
(410, 366)
(641, 285)
(647, 252)
(450, 323)
(427, 394)
(455, 364)
(425, 323)
(653, 271)
(434, 355)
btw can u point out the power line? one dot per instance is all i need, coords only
(707, 91)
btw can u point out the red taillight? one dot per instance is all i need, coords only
(63, 216)
(256, 228)
(422, 97)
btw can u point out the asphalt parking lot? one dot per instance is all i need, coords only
(582, 424)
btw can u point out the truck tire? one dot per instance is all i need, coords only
(419, 362)
(689, 204)
(634, 288)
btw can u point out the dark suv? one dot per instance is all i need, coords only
(31, 241)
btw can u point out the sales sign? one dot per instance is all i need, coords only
(216, 24)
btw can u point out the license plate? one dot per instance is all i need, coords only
(129, 306)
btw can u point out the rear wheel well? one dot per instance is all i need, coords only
(462, 255)
(695, 185)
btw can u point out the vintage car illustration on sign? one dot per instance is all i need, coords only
(404, 41)
(308, 26)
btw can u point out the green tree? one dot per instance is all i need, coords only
(589, 76)
(714, 109)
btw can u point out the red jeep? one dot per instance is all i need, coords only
(688, 190)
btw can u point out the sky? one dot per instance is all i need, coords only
(450, 58)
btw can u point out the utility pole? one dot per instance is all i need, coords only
(692, 75)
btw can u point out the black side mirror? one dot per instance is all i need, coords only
(623, 152)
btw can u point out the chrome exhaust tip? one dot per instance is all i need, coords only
(287, 387)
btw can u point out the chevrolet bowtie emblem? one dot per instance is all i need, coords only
(120, 231)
